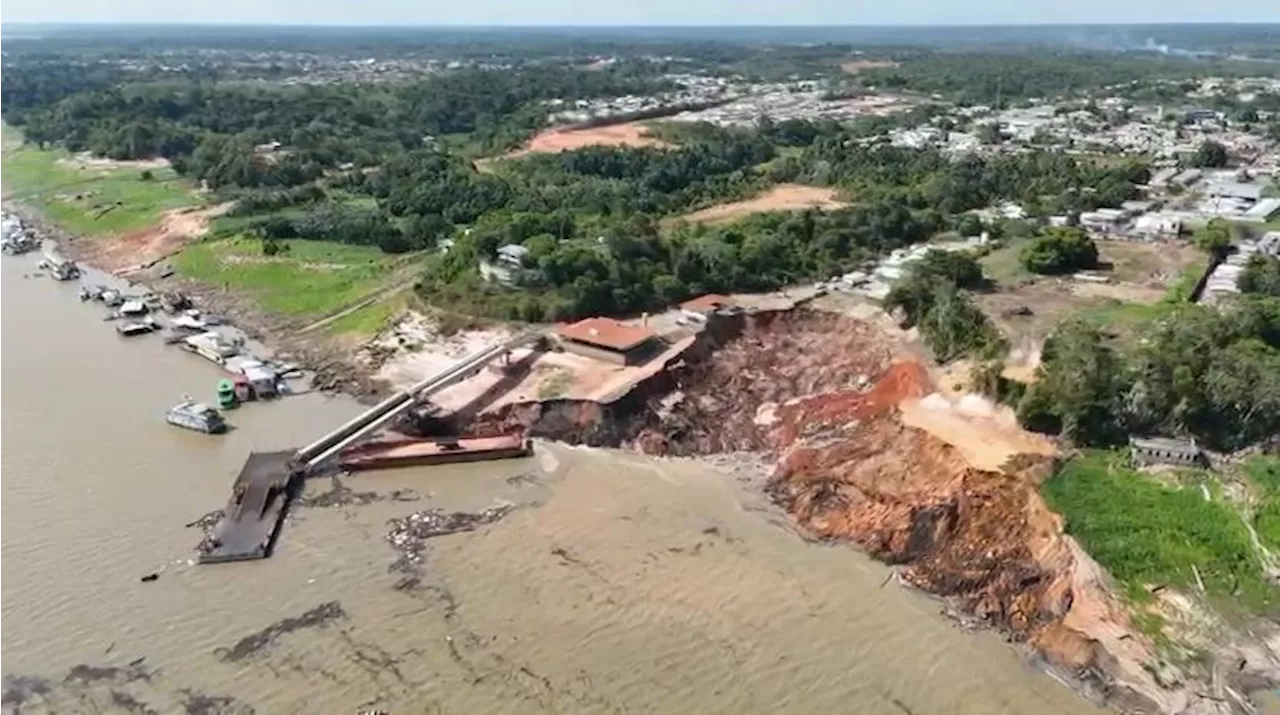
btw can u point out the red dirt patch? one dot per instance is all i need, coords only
(558, 139)
(782, 197)
(140, 249)
(856, 66)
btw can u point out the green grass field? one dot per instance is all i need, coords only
(89, 201)
(1264, 474)
(310, 279)
(1002, 265)
(369, 319)
(1147, 533)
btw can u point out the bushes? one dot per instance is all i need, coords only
(1060, 250)
(1145, 533)
(930, 297)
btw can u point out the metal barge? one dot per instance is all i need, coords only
(406, 452)
(252, 517)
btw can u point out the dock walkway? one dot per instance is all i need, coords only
(252, 517)
(268, 480)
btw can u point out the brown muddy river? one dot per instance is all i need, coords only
(618, 584)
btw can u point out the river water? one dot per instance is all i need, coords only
(619, 583)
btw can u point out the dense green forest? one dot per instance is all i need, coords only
(1208, 372)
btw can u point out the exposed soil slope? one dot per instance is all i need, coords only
(140, 249)
(820, 393)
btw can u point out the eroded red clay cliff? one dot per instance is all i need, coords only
(819, 392)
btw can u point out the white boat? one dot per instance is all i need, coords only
(211, 346)
(190, 322)
(197, 416)
(137, 327)
(133, 307)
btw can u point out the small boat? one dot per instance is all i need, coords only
(193, 415)
(91, 292)
(190, 323)
(111, 298)
(137, 327)
(226, 394)
(134, 307)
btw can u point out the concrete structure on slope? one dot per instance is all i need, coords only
(1161, 450)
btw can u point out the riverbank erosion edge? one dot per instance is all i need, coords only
(139, 259)
(822, 396)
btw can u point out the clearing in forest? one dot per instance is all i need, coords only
(856, 66)
(1143, 279)
(558, 139)
(782, 197)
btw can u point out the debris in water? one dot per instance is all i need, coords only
(321, 615)
(150, 577)
(195, 703)
(18, 689)
(342, 495)
(128, 703)
(207, 522)
(408, 534)
(93, 673)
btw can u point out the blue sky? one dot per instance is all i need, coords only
(637, 12)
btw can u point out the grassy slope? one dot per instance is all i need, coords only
(1264, 474)
(311, 279)
(1148, 533)
(74, 198)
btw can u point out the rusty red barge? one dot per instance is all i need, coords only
(409, 452)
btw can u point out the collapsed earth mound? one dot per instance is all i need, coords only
(820, 393)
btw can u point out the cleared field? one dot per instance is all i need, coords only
(1143, 279)
(90, 197)
(856, 66)
(783, 197)
(308, 279)
(551, 141)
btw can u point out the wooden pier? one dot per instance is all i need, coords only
(252, 517)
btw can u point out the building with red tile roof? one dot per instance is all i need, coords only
(606, 339)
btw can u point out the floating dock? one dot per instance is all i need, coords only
(386, 454)
(252, 517)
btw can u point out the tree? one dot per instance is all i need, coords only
(1209, 155)
(1077, 388)
(969, 225)
(1214, 238)
(1060, 250)
(1261, 275)
(931, 299)
(989, 133)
